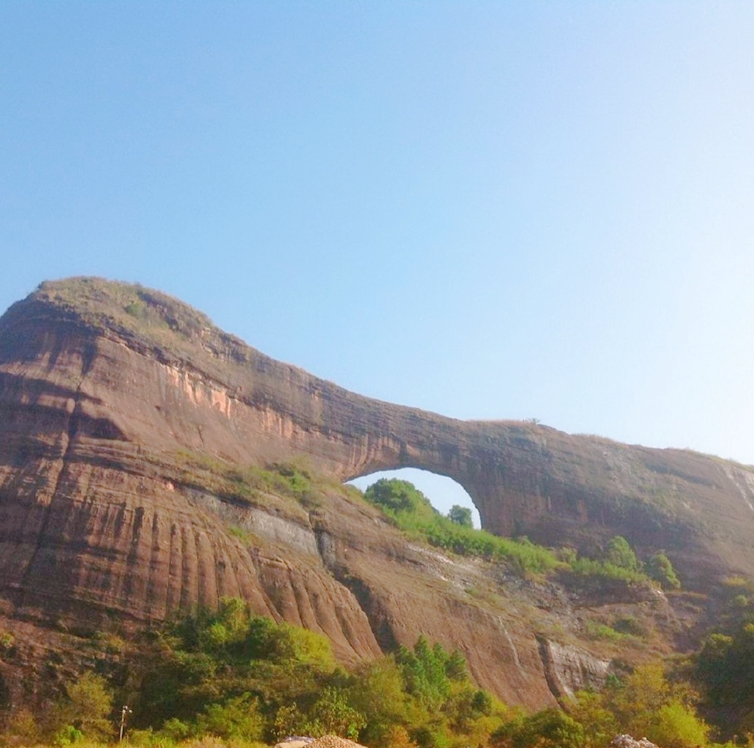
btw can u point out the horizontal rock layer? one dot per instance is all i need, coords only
(105, 389)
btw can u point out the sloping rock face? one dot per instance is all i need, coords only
(108, 392)
(570, 669)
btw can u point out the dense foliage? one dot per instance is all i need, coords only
(243, 677)
(289, 481)
(644, 704)
(724, 667)
(659, 568)
(461, 515)
(246, 680)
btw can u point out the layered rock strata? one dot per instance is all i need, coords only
(106, 390)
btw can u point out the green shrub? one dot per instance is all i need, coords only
(602, 631)
(399, 496)
(333, 715)
(619, 553)
(550, 728)
(236, 718)
(67, 736)
(678, 726)
(630, 626)
(588, 567)
(86, 709)
(659, 568)
(7, 642)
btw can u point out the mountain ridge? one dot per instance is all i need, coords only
(551, 482)
(134, 440)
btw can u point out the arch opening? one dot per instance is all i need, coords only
(442, 492)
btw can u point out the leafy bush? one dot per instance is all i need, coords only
(630, 626)
(427, 672)
(589, 567)
(618, 564)
(333, 715)
(659, 568)
(82, 711)
(238, 717)
(7, 643)
(398, 496)
(619, 553)
(725, 669)
(678, 726)
(602, 631)
(550, 728)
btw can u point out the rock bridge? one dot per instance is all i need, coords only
(124, 415)
(504, 466)
(90, 365)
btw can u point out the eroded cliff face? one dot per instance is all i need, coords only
(109, 394)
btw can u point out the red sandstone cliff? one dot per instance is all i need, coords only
(122, 412)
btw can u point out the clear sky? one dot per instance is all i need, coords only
(486, 209)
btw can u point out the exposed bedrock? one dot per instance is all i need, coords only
(74, 365)
(570, 669)
(102, 385)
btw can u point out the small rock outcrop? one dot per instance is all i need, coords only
(569, 669)
(626, 741)
(295, 741)
(326, 741)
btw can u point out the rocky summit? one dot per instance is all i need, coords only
(149, 465)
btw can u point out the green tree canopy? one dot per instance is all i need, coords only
(398, 496)
(87, 707)
(550, 728)
(661, 570)
(461, 515)
(619, 553)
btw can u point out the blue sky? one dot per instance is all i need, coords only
(490, 210)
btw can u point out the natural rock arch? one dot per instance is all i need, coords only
(75, 359)
(108, 392)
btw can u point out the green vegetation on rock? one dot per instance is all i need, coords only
(659, 568)
(619, 553)
(619, 565)
(412, 512)
(292, 487)
(236, 675)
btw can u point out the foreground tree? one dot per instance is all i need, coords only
(86, 709)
